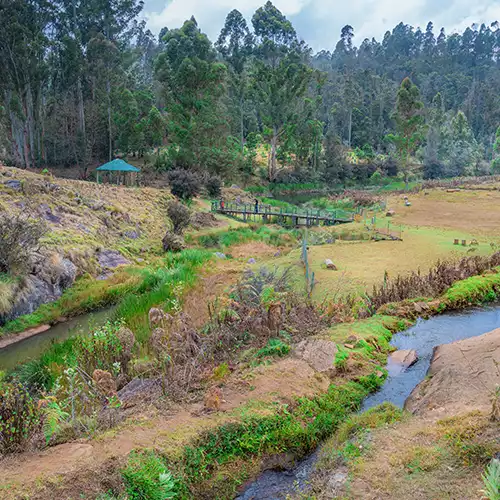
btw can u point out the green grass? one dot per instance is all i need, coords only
(296, 429)
(224, 238)
(133, 288)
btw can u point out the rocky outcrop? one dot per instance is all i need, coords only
(109, 259)
(48, 280)
(462, 377)
(318, 353)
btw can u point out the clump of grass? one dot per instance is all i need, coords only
(274, 347)
(221, 371)
(491, 480)
(341, 358)
(235, 236)
(147, 478)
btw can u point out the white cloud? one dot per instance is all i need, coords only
(212, 13)
(319, 22)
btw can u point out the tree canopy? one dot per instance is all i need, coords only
(85, 81)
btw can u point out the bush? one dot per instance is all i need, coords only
(19, 417)
(101, 350)
(172, 242)
(19, 238)
(184, 184)
(147, 478)
(213, 185)
(180, 216)
(274, 347)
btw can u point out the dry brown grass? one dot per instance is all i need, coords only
(471, 212)
(415, 460)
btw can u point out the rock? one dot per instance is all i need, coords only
(46, 212)
(352, 339)
(318, 353)
(463, 376)
(46, 284)
(138, 391)
(421, 306)
(337, 481)
(349, 346)
(83, 228)
(277, 254)
(330, 265)
(390, 213)
(401, 360)
(132, 235)
(379, 374)
(252, 261)
(220, 255)
(104, 382)
(14, 184)
(109, 259)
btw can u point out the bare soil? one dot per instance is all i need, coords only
(38, 474)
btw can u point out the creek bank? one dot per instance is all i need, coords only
(423, 337)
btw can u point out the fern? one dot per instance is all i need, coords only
(491, 480)
(54, 417)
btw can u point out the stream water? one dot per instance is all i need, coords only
(33, 347)
(423, 337)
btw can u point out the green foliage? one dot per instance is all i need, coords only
(147, 478)
(221, 371)
(491, 480)
(99, 350)
(184, 184)
(54, 416)
(274, 347)
(341, 358)
(226, 238)
(213, 185)
(410, 123)
(179, 216)
(19, 417)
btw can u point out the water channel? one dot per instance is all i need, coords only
(33, 347)
(423, 337)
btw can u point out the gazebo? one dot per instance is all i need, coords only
(120, 168)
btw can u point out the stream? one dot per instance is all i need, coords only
(33, 347)
(423, 337)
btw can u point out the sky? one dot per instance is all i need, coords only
(319, 22)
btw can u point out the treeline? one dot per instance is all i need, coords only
(85, 80)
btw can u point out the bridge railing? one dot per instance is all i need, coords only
(264, 209)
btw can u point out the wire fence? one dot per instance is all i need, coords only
(309, 275)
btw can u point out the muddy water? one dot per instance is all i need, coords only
(33, 347)
(423, 337)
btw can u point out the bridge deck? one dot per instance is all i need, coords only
(297, 217)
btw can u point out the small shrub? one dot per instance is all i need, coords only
(274, 347)
(19, 417)
(180, 216)
(19, 238)
(100, 350)
(147, 478)
(172, 242)
(184, 184)
(213, 185)
(341, 360)
(221, 371)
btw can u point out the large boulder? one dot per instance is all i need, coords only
(318, 353)
(463, 377)
(50, 277)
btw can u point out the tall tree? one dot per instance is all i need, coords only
(281, 76)
(410, 124)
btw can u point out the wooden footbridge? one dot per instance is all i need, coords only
(270, 214)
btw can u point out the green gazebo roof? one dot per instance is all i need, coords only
(118, 166)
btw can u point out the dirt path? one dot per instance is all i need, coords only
(28, 472)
